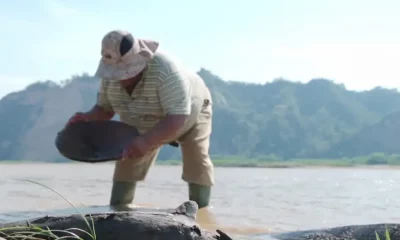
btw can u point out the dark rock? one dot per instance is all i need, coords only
(352, 232)
(180, 224)
(177, 224)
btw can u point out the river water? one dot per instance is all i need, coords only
(244, 200)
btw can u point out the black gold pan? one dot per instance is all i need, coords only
(95, 141)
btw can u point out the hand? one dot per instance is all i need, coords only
(136, 149)
(79, 116)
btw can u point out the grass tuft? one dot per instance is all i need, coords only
(33, 232)
(387, 235)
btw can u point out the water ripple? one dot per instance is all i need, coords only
(277, 199)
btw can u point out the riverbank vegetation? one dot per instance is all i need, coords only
(273, 161)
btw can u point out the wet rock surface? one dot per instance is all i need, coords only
(352, 232)
(180, 223)
(177, 224)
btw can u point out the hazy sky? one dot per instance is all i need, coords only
(355, 42)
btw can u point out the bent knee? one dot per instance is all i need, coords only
(200, 172)
(134, 170)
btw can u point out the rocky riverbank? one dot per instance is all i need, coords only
(352, 232)
(177, 224)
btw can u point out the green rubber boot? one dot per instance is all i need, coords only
(200, 194)
(122, 195)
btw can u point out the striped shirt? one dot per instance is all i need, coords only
(166, 88)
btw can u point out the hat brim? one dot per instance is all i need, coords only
(136, 63)
(121, 71)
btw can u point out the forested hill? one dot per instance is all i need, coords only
(283, 118)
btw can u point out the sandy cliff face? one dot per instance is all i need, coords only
(57, 106)
(32, 118)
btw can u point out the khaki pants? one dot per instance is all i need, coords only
(197, 165)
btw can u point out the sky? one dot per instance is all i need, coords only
(354, 42)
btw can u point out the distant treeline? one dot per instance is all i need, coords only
(277, 122)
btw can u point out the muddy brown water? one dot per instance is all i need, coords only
(245, 201)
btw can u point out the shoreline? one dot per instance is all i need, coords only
(235, 164)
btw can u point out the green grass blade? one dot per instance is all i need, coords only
(79, 230)
(387, 234)
(377, 236)
(91, 227)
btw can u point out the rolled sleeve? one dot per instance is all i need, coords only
(174, 93)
